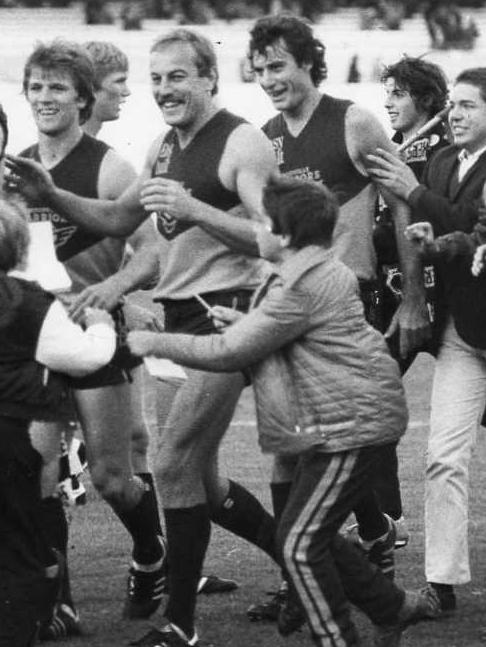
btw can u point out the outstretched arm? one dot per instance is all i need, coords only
(445, 216)
(65, 347)
(116, 218)
(280, 318)
(142, 266)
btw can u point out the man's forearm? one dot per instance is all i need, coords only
(235, 232)
(98, 216)
(140, 270)
(409, 260)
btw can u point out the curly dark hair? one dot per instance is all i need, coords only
(425, 81)
(299, 40)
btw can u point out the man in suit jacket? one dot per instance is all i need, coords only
(448, 198)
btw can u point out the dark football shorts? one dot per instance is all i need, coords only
(190, 316)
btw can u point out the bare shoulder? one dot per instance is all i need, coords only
(364, 133)
(116, 174)
(154, 149)
(247, 144)
(247, 140)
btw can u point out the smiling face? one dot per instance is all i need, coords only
(404, 115)
(183, 96)
(54, 100)
(287, 84)
(111, 95)
(467, 117)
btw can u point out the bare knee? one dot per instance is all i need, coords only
(110, 483)
(139, 444)
(168, 471)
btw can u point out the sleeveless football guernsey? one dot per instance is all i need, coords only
(193, 261)
(88, 258)
(319, 154)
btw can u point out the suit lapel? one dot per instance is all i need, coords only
(474, 170)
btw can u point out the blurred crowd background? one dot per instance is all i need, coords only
(448, 22)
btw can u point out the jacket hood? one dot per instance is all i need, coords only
(11, 296)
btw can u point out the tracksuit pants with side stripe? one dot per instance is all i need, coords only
(326, 570)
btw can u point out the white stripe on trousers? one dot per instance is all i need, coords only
(297, 543)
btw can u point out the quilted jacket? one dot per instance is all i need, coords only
(322, 376)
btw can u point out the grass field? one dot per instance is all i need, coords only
(100, 550)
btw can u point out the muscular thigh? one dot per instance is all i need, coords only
(46, 439)
(200, 414)
(105, 416)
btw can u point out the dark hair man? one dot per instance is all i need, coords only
(324, 139)
(449, 197)
(415, 91)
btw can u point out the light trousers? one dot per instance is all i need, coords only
(458, 402)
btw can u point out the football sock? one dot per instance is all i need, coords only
(55, 528)
(243, 515)
(188, 531)
(372, 524)
(280, 493)
(143, 523)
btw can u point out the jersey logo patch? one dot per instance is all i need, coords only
(163, 159)
(169, 226)
(277, 144)
(69, 239)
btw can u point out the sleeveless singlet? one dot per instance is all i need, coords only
(88, 258)
(319, 154)
(195, 262)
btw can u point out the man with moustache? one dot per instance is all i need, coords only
(196, 178)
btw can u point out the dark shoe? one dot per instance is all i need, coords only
(381, 551)
(417, 606)
(403, 534)
(447, 598)
(144, 592)
(269, 610)
(291, 617)
(169, 636)
(209, 584)
(63, 623)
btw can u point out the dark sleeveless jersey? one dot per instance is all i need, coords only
(418, 154)
(319, 153)
(89, 258)
(196, 262)
(28, 390)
